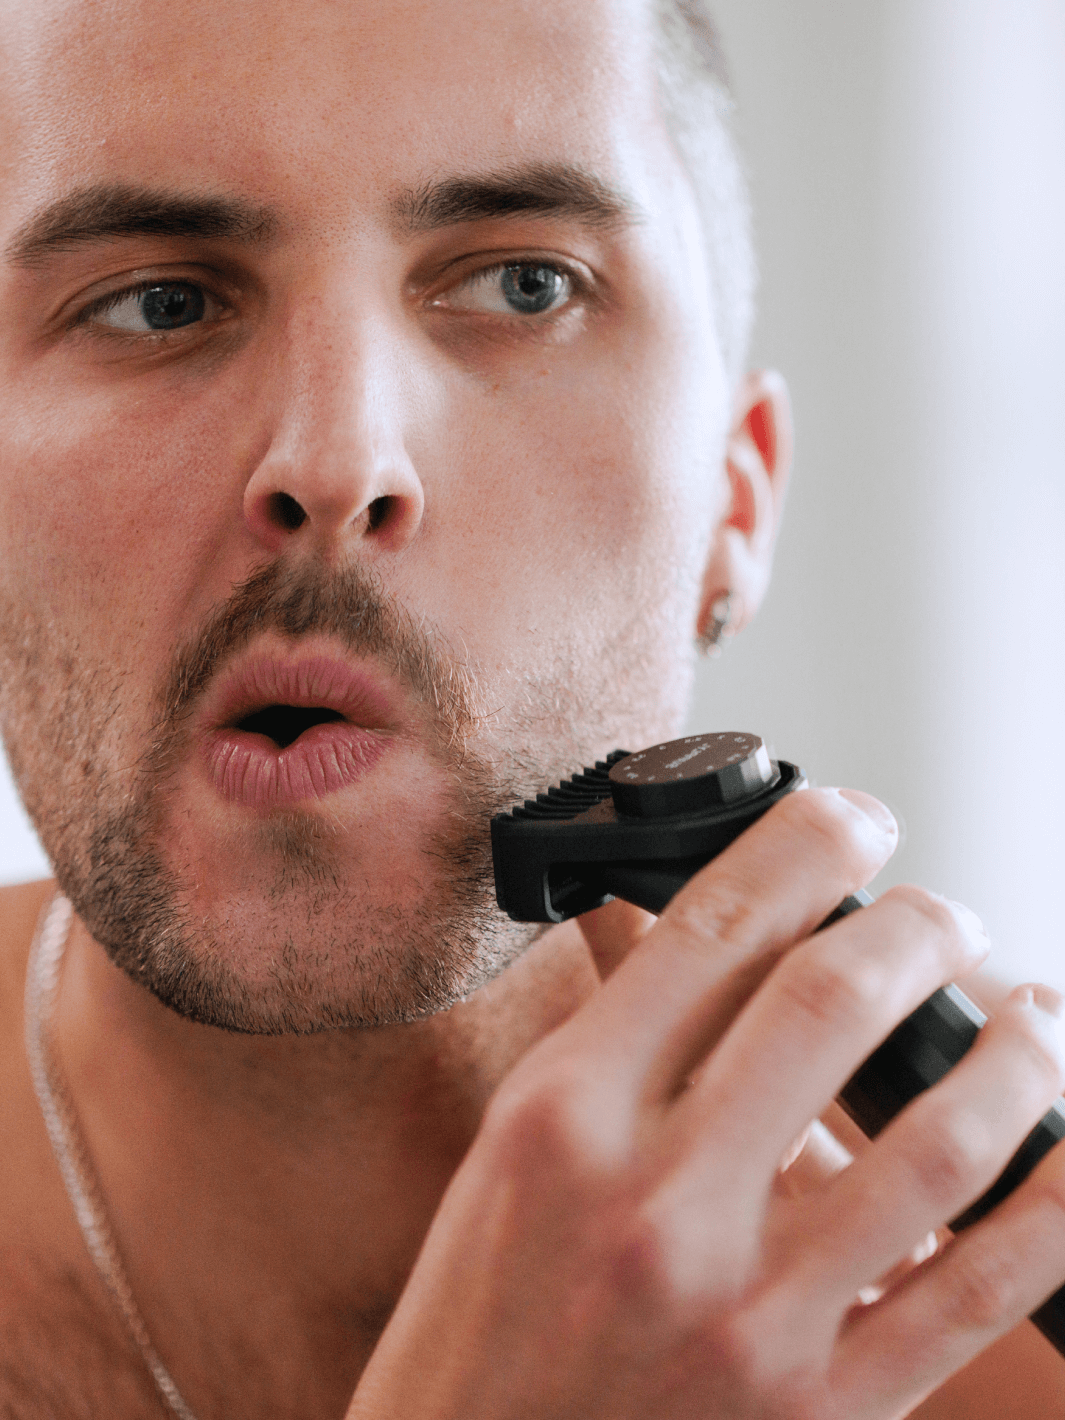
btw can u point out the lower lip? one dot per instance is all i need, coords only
(253, 771)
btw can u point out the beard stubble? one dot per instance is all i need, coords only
(352, 960)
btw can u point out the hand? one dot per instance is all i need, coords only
(617, 1243)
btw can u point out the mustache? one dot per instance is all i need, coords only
(348, 603)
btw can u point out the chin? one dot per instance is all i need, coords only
(297, 922)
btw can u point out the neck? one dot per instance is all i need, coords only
(270, 1194)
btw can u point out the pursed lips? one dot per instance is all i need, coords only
(279, 731)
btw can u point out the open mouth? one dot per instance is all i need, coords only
(285, 723)
(285, 731)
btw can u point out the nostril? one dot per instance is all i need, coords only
(285, 511)
(378, 513)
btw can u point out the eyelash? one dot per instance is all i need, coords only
(579, 286)
(91, 313)
(578, 283)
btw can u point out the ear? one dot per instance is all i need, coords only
(757, 463)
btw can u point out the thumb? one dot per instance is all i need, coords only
(611, 933)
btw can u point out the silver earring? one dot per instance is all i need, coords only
(720, 628)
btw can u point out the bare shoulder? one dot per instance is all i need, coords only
(25, 1156)
(20, 908)
(28, 1178)
(1021, 1377)
(62, 1356)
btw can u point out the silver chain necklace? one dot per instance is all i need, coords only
(61, 1121)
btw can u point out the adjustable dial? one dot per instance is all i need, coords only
(696, 772)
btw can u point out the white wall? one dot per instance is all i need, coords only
(908, 164)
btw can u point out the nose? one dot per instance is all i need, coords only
(336, 471)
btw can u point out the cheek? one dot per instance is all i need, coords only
(113, 508)
(571, 505)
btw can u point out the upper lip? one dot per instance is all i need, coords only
(310, 679)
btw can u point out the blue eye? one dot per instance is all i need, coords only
(524, 288)
(166, 306)
(531, 289)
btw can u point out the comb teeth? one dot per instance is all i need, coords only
(574, 795)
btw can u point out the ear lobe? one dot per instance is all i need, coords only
(758, 462)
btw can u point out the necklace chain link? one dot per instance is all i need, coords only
(61, 1121)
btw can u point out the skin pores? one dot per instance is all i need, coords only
(531, 496)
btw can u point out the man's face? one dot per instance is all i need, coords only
(364, 367)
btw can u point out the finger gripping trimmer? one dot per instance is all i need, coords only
(638, 826)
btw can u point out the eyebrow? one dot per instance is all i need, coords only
(536, 190)
(111, 211)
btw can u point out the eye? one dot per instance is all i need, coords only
(525, 288)
(163, 305)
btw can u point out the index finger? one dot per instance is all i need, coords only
(683, 981)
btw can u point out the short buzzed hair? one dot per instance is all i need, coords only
(697, 106)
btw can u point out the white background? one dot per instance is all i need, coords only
(908, 166)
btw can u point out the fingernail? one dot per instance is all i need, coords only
(972, 926)
(873, 809)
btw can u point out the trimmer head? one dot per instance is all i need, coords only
(636, 826)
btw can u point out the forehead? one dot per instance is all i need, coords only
(339, 101)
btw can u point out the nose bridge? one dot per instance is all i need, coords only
(343, 397)
(337, 464)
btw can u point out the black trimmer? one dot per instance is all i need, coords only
(638, 826)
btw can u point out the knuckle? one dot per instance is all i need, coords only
(744, 1346)
(953, 1154)
(720, 904)
(722, 914)
(984, 1290)
(834, 991)
(555, 1120)
(692, 1273)
(661, 1272)
(643, 1270)
(723, 1322)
